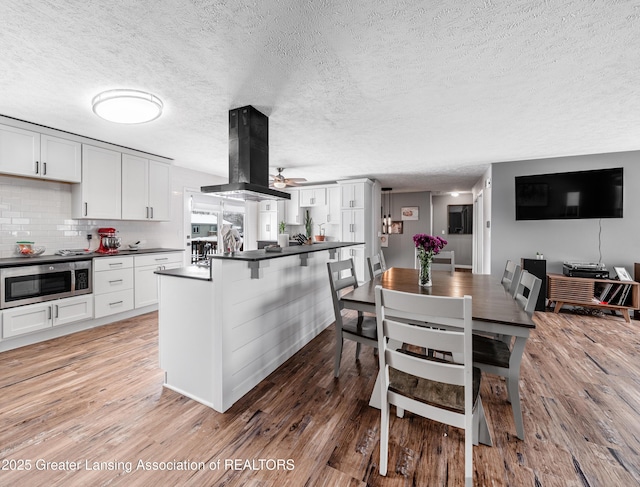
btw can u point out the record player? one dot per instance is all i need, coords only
(592, 270)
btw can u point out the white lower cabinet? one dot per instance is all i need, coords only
(34, 317)
(73, 309)
(146, 282)
(112, 285)
(112, 303)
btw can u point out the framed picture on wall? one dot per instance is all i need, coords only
(409, 213)
(384, 240)
(396, 227)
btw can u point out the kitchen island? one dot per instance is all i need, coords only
(223, 333)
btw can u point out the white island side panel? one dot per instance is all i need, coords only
(187, 345)
(265, 321)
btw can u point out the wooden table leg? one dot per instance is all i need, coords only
(625, 313)
(558, 306)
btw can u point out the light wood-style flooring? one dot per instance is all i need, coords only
(96, 398)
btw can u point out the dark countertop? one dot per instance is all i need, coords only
(257, 255)
(189, 272)
(48, 259)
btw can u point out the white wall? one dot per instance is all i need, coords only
(566, 240)
(40, 211)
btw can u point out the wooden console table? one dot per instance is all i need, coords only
(582, 291)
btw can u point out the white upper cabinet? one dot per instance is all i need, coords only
(135, 187)
(100, 193)
(160, 191)
(333, 205)
(292, 208)
(19, 151)
(60, 159)
(145, 189)
(27, 153)
(268, 205)
(312, 197)
(353, 195)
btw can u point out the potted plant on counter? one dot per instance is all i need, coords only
(320, 236)
(283, 238)
(308, 226)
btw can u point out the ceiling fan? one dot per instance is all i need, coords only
(280, 182)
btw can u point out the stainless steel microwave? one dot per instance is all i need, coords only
(45, 282)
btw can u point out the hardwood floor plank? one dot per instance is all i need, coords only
(96, 396)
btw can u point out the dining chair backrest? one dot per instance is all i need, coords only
(396, 311)
(383, 262)
(527, 291)
(444, 261)
(342, 275)
(375, 266)
(511, 277)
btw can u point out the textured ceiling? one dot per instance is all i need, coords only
(420, 95)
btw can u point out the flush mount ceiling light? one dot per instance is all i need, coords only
(455, 194)
(127, 106)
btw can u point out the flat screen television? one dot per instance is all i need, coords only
(570, 195)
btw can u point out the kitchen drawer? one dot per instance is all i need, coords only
(111, 263)
(158, 259)
(111, 281)
(112, 303)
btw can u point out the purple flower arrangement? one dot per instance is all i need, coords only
(428, 243)
(427, 246)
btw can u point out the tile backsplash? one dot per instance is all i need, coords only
(40, 211)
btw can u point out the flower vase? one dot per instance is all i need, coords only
(424, 278)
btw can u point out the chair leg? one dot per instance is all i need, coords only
(358, 347)
(468, 459)
(481, 432)
(338, 356)
(514, 397)
(384, 437)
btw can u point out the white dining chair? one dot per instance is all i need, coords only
(383, 262)
(375, 266)
(444, 261)
(497, 355)
(511, 276)
(342, 276)
(443, 391)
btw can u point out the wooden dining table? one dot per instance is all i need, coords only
(493, 309)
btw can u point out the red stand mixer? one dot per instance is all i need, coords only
(109, 242)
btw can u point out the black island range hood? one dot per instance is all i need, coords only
(248, 158)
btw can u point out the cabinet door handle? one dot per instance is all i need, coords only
(115, 280)
(37, 167)
(86, 209)
(56, 307)
(115, 303)
(44, 168)
(115, 264)
(151, 212)
(161, 258)
(147, 212)
(49, 313)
